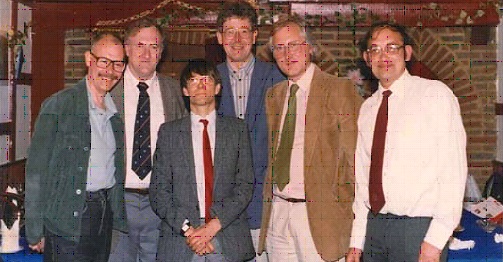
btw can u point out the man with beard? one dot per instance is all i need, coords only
(245, 80)
(145, 100)
(74, 173)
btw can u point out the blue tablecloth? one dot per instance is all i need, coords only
(24, 255)
(485, 250)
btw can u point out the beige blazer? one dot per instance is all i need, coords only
(330, 142)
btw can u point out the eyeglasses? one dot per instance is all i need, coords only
(230, 33)
(390, 49)
(103, 62)
(293, 47)
(195, 81)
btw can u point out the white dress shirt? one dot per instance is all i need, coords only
(131, 94)
(295, 188)
(424, 168)
(197, 146)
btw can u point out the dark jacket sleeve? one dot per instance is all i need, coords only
(37, 168)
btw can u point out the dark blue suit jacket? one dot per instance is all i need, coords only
(264, 76)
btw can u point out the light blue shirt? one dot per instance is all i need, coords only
(100, 174)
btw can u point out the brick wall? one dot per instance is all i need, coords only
(470, 70)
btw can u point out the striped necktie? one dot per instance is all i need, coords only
(142, 160)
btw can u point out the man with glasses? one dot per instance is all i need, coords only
(145, 100)
(203, 177)
(74, 173)
(410, 159)
(309, 186)
(245, 80)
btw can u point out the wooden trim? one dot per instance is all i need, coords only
(498, 109)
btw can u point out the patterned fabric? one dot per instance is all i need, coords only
(142, 160)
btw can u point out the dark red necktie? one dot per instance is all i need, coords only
(208, 171)
(376, 193)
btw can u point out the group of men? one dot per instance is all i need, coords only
(286, 165)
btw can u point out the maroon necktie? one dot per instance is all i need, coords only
(208, 171)
(376, 194)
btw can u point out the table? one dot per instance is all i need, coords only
(485, 250)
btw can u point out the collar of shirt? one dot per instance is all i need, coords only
(131, 81)
(398, 87)
(110, 108)
(304, 82)
(194, 119)
(243, 71)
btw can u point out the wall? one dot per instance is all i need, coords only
(470, 71)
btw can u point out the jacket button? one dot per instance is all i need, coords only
(80, 168)
(86, 148)
(78, 191)
(75, 214)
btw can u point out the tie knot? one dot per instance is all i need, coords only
(293, 89)
(142, 86)
(386, 93)
(204, 121)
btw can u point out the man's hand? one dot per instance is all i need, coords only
(199, 238)
(354, 255)
(429, 253)
(39, 247)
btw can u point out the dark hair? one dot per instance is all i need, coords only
(98, 36)
(133, 28)
(240, 9)
(200, 67)
(382, 25)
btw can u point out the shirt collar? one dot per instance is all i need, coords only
(211, 117)
(130, 78)
(246, 68)
(305, 80)
(111, 109)
(397, 88)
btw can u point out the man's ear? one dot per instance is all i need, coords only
(366, 58)
(408, 52)
(217, 89)
(87, 56)
(219, 37)
(185, 91)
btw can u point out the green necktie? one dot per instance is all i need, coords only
(281, 166)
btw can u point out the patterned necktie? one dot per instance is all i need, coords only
(281, 166)
(208, 171)
(376, 193)
(142, 160)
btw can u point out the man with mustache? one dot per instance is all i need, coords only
(309, 186)
(145, 100)
(410, 159)
(74, 173)
(245, 80)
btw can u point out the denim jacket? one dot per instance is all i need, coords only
(56, 169)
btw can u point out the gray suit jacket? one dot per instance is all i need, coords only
(174, 107)
(173, 193)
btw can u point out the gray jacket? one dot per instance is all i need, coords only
(173, 192)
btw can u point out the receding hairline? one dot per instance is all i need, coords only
(106, 39)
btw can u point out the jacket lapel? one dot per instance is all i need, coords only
(316, 100)
(227, 98)
(220, 145)
(256, 95)
(278, 100)
(117, 95)
(188, 152)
